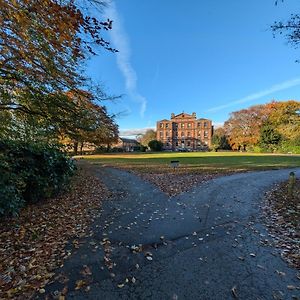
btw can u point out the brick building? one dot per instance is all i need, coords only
(185, 131)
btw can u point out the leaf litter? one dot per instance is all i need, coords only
(282, 218)
(32, 245)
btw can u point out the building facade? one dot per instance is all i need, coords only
(128, 145)
(185, 132)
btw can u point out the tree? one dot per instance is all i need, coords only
(289, 28)
(155, 145)
(285, 118)
(148, 136)
(264, 125)
(243, 126)
(94, 125)
(269, 137)
(39, 63)
(220, 140)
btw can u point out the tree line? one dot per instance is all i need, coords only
(271, 127)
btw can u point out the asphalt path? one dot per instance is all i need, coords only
(207, 243)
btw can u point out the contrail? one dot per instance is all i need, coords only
(275, 88)
(121, 42)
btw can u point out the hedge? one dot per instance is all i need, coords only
(30, 173)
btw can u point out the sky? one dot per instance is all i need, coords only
(209, 57)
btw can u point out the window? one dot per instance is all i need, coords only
(206, 134)
(199, 124)
(182, 133)
(205, 124)
(176, 143)
(161, 134)
(199, 133)
(161, 125)
(167, 125)
(189, 125)
(167, 133)
(188, 134)
(182, 125)
(176, 133)
(176, 125)
(189, 143)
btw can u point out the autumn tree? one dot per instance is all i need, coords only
(90, 124)
(40, 62)
(148, 136)
(284, 116)
(243, 126)
(270, 125)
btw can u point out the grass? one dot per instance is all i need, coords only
(197, 161)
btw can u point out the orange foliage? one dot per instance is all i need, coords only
(243, 126)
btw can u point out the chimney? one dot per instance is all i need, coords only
(172, 115)
(194, 115)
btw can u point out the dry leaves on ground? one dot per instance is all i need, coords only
(32, 246)
(174, 184)
(282, 214)
(175, 181)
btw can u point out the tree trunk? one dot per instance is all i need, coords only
(75, 147)
(81, 147)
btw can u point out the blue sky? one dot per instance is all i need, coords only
(209, 57)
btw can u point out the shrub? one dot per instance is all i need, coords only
(143, 148)
(155, 145)
(30, 173)
(255, 149)
(289, 147)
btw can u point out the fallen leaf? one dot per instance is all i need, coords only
(86, 271)
(80, 284)
(234, 292)
(291, 287)
(280, 273)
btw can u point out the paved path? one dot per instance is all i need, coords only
(213, 242)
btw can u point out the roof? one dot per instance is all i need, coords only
(125, 140)
(184, 115)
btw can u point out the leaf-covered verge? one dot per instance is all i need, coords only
(174, 181)
(282, 217)
(32, 246)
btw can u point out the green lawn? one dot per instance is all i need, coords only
(197, 160)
